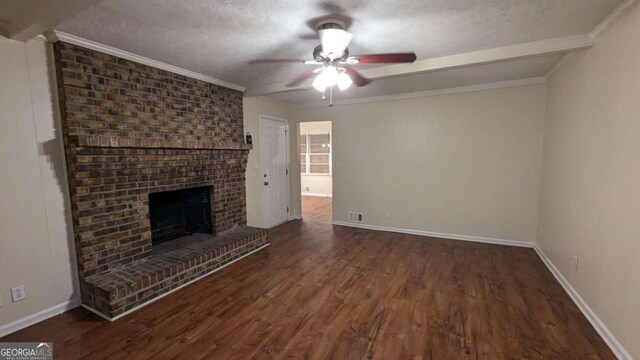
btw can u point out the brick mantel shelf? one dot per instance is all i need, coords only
(123, 142)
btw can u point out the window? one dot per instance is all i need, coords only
(315, 154)
(303, 153)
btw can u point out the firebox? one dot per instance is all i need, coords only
(178, 213)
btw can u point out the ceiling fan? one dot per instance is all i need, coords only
(334, 61)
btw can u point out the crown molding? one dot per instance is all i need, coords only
(598, 31)
(615, 15)
(428, 93)
(143, 60)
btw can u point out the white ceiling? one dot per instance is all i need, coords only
(219, 38)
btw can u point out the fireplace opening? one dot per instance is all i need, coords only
(174, 214)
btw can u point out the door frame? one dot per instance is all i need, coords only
(331, 166)
(261, 118)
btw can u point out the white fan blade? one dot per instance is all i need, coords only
(334, 41)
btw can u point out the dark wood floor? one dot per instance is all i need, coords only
(322, 291)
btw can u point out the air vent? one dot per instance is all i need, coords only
(355, 216)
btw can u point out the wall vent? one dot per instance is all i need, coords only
(355, 216)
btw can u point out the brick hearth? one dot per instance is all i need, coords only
(120, 290)
(130, 130)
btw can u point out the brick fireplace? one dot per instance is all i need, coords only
(136, 135)
(176, 213)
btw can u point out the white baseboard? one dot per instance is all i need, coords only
(615, 346)
(104, 316)
(595, 321)
(437, 234)
(39, 316)
(316, 194)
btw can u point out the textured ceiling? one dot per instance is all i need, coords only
(219, 38)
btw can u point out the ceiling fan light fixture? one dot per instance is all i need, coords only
(344, 81)
(335, 61)
(327, 78)
(319, 84)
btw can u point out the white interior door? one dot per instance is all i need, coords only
(274, 167)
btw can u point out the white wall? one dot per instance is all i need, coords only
(36, 242)
(253, 107)
(318, 185)
(590, 204)
(465, 164)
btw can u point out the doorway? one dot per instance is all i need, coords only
(316, 170)
(274, 170)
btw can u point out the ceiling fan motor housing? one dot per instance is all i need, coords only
(320, 56)
(331, 23)
(324, 24)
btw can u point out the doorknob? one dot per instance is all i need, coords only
(266, 183)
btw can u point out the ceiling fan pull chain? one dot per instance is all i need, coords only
(330, 96)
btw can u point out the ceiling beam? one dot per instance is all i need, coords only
(34, 18)
(487, 56)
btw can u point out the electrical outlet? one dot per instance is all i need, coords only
(576, 261)
(387, 215)
(113, 141)
(18, 293)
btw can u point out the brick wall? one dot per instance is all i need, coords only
(105, 96)
(131, 129)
